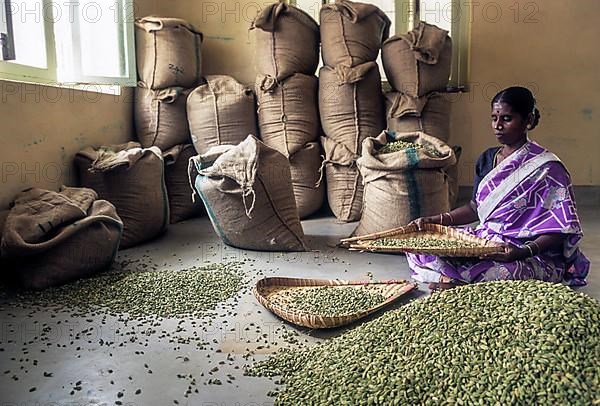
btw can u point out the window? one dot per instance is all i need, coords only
(70, 42)
(450, 15)
(7, 48)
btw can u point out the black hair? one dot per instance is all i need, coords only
(521, 100)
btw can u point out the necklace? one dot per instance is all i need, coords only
(500, 154)
(496, 155)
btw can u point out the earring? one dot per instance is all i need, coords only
(529, 126)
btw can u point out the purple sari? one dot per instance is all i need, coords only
(528, 194)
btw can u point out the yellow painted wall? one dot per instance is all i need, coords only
(42, 128)
(548, 45)
(552, 48)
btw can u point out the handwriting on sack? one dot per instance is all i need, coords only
(176, 70)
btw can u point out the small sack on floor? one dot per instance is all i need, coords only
(247, 192)
(167, 52)
(181, 206)
(403, 185)
(51, 238)
(132, 179)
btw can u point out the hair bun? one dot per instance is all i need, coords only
(536, 118)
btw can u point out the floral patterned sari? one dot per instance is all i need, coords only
(528, 194)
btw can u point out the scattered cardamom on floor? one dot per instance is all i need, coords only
(168, 294)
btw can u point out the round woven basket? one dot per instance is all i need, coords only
(483, 246)
(265, 288)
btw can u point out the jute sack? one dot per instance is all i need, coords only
(304, 167)
(418, 62)
(403, 185)
(168, 52)
(452, 174)
(352, 33)
(181, 206)
(344, 183)
(161, 117)
(51, 238)
(351, 104)
(247, 192)
(287, 41)
(288, 113)
(221, 111)
(429, 114)
(132, 179)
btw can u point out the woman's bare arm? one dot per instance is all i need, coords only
(464, 214)
(546, 242)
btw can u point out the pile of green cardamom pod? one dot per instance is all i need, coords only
(421, 243)
(328, 300)
(396, 146)
(189, 292)
(508, 342)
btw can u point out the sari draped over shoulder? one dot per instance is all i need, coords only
(528, 194)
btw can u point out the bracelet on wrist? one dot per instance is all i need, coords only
(537, 247)
(529, 249)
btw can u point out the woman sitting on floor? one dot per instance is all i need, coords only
(522, 197)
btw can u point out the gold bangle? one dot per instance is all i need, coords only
(451, 218)
(441, 219)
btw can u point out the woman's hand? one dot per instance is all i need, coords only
(421, 221)
(511, 253)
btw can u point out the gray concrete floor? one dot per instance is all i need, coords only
(85, 372)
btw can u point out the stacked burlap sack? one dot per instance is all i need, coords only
(132, 178)
(403, 185)
(350, 96)
(248, 195)
(221, 111)
(417, 65)
(50, 238)
(287, 55)
(169, 66)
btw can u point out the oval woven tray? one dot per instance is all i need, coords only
(363, 243)
(265, 288)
